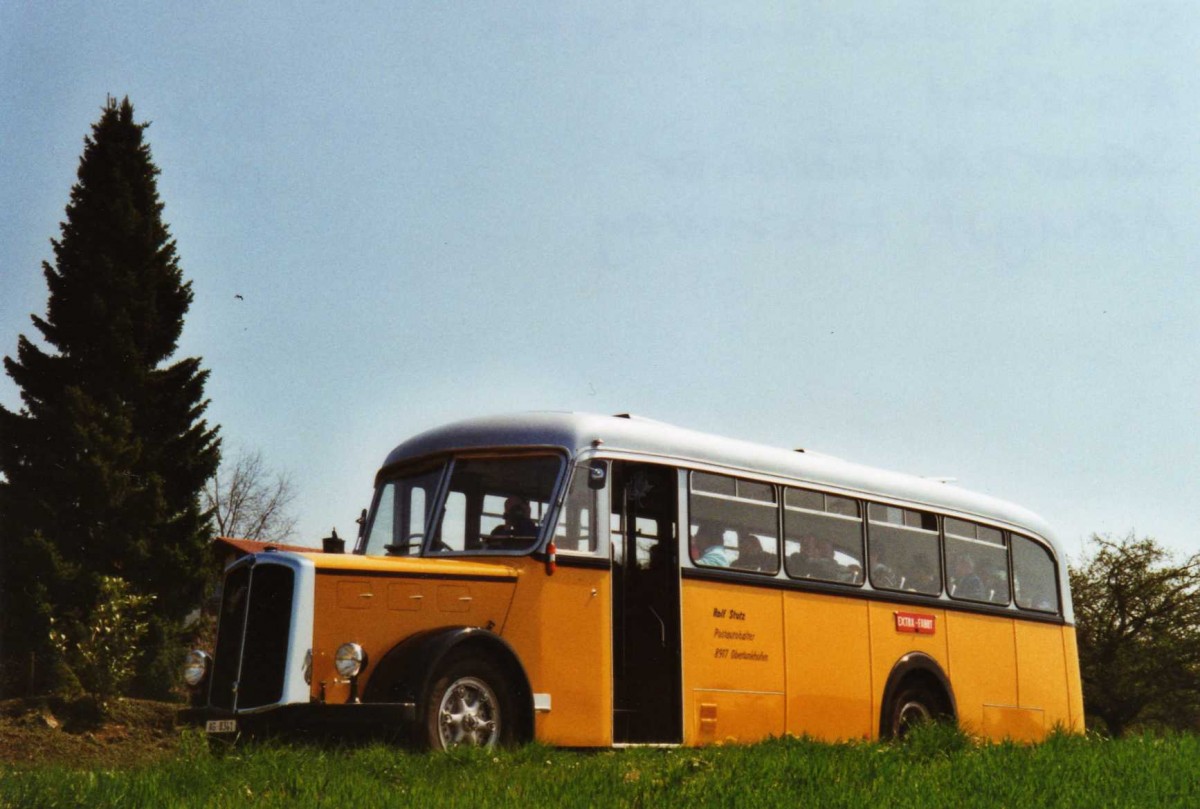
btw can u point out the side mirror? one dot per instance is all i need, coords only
(333, 543)
(597, 475)
(362, 523)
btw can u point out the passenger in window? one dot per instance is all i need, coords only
(708, 547)
(518, 530)
(964, 582)
(882, 572)
(995, 585)
(817, 560)
(854, 573)
(922, 578)
(795, 560)
(751, 555)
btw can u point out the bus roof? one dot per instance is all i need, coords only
(656, 440)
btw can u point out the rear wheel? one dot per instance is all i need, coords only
(469, 705)
(913, 706)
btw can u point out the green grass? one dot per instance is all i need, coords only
(939, 767)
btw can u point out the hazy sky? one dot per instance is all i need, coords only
(943, 238)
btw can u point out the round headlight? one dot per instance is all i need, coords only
(308, 667)
(196, 666)
(349, 659)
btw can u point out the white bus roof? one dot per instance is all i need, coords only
(657, 441)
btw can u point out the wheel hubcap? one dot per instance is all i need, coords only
(469, 714)
(912, 713)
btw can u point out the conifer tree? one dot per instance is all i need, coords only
(104, 464)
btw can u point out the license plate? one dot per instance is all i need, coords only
(220, 726)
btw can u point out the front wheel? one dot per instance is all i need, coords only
(468, 705)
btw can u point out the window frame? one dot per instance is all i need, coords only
(447, 462)
(1055, 568)
(408, 470)
(861, 519)
(946, 561)
(939, 566)
(754, 502)
(599, 521)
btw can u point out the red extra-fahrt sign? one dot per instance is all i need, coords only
(915, 622)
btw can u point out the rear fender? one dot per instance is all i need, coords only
(916, 666)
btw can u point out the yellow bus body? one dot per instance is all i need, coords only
(757, 661)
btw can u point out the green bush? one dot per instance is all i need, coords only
(103, 650)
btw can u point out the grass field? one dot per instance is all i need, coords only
(938, 768)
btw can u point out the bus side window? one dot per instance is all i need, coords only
(577, 529)
(976, 562)
(1034, 581)
(823, 535)
(734, 523)
(903, 549)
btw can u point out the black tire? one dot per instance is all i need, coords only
(470, 703)
(912, 706)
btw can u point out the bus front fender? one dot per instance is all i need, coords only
(407, 672)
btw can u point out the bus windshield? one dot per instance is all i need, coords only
(495, 505)
(491, 505)
(403, 506)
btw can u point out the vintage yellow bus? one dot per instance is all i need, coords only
(591, 580)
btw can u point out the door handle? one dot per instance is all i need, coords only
(661, 624)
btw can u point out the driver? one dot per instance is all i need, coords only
(517, 525)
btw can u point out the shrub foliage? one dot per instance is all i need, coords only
(103, 649)
(1137, 613)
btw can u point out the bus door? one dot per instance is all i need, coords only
(647, 674)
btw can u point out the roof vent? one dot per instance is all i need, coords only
(639, 419)
(798, 449)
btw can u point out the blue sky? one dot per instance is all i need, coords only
(943, 238)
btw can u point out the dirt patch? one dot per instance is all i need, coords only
(76, 734)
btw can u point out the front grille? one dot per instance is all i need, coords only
(231, 626)
(252, 637)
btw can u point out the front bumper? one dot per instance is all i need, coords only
(391, 719)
